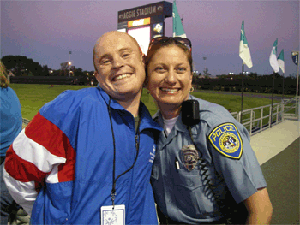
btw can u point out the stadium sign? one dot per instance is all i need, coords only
(150, 10)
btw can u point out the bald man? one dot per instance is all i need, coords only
(86, 157)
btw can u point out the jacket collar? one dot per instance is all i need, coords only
(146, 119)
(114, 104)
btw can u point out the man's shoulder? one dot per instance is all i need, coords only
(75, 95)
(69, 101)
(81, 93)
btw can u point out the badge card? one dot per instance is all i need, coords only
(110, 216)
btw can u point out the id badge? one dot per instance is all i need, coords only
(110, 216)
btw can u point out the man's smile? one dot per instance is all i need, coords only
(121, 76)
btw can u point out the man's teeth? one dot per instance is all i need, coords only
(169, 90)
(122, 76)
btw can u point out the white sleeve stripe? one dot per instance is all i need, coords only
(52, 177)
(22, 192)
(35, 153)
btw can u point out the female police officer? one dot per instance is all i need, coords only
(204, 160)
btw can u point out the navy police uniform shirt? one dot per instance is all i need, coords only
(180, 187)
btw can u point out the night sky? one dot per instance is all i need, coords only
(47, 30)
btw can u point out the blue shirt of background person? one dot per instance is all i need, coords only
(11, 118)
(10, 127)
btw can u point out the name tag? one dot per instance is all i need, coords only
(110, 216)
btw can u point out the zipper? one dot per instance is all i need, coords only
(136, 139)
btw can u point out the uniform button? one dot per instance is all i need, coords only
(67, 219)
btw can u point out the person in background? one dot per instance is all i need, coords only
(10, 127)
(204, 169)
(87, 156)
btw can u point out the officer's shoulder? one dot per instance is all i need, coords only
(213, 114)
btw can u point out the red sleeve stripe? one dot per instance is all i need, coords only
(31, 152)
(21, 169)
(44, 132)
(44, 145)
(66, 172)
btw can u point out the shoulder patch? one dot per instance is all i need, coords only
(226, 139)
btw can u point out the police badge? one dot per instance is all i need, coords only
(189, 156)
(227, 140)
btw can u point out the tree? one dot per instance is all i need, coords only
(21, 65)
(17, 64)
(35, 68)
(78, 72)
(45, 70)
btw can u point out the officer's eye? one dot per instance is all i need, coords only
(160, 69)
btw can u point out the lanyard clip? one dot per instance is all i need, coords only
(113, 197)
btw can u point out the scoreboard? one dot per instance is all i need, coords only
(145, 22)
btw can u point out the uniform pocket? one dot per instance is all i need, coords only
(187, 186)
(192, 196)
(189, 179)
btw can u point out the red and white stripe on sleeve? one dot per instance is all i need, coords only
(40, 153)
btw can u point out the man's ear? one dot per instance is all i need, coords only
(96, 74)
(143, 58)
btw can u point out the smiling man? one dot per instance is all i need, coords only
(86, 157)
(120, 69)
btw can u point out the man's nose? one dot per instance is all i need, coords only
(117, 62)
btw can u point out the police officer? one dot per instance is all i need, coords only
(205, 171)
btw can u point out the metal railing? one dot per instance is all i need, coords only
(291, 107)
(264, 117)
(260, 118)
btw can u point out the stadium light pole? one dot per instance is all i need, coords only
(204, 58)
(297, 91)
(69, 63)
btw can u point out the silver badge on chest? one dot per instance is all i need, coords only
(189, 156)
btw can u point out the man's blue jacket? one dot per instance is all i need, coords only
(60, 167)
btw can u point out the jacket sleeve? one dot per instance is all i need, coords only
(40, 154)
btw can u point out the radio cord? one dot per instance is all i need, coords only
(204, 173)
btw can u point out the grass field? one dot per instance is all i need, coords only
(33, 97)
